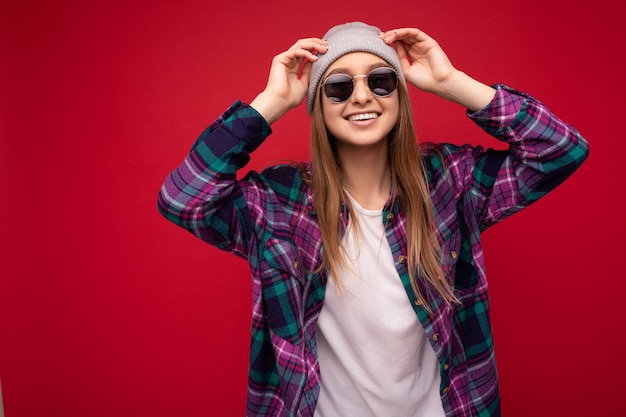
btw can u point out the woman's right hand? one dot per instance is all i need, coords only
(288, 81)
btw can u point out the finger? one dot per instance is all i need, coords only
(393, 35)
(403, 56)
(305, 71)
(302, 51)
(409, 35)
(300, 55)
(292, 59)
(310, 44)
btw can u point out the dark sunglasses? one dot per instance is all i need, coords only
(381, 81)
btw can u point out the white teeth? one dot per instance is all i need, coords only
(363, 116)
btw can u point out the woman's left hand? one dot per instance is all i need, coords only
(426, 66)
(424, 63)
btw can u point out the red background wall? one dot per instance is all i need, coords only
(108, 310)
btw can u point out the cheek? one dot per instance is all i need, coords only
(394, 111)
(331, 116)
(395, 106)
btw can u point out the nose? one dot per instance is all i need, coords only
(362, 92)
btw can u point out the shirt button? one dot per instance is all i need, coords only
(453, 254)
(296, 265)
(390, 217)
(402, 259)
(446, 367)
(417, 302)
(435, 337)
(445, 390)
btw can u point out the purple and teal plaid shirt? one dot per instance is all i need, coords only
(269, 218)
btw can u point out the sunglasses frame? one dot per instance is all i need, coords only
(366, 76)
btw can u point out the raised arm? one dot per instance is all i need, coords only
(203, 194)
(543, 150)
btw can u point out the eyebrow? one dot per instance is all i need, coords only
(347, 71)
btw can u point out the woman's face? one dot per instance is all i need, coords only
(364, 119)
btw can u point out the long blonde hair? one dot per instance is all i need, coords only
(410, 188)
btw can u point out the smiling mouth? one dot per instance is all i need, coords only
(362, 116)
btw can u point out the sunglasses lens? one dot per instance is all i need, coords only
(338, 88)
(382, 81)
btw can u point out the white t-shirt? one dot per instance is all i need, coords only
(374, 357)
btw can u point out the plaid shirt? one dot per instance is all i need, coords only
(269, 218)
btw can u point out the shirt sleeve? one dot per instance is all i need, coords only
(202, 194)
(542, 152)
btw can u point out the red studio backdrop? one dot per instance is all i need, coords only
(106, 309)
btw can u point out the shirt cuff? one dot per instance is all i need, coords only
(244, 122)
(502, 111)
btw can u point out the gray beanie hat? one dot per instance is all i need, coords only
(344, 39)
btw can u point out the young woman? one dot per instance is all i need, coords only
(369, 288)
